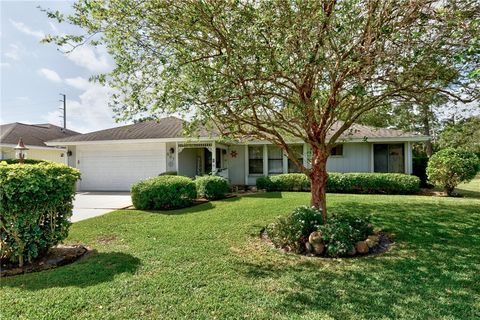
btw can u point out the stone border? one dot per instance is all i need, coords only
(58, 256)
(385, 244)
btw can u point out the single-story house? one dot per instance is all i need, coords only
(34, 137)
(114, 159)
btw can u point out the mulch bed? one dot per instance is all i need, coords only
(384, 244)
(59, 256)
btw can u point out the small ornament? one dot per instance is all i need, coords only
(233, 153)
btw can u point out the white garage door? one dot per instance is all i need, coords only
(116, 167)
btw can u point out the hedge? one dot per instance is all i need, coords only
(164, 192)
(25, 161)
(35, 205)
(212, 187)
(386, 183)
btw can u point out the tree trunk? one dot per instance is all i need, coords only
(318, 180)
(426, 130)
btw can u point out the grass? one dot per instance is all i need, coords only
(207, 262)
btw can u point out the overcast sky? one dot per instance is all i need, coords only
(33, 74)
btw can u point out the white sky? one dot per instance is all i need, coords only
(33, 74)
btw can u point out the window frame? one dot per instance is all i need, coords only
(259, 159)
(336, 147)
(280, 159)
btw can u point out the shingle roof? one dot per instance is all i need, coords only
(32, 134)
(169, 127)
(172, 127)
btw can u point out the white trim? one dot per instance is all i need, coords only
(246, 164)
(265, 160)
(349, 140)
(372, 160)
(4, 145)
(176, 157)
(284, 162)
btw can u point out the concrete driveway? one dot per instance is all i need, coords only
(92, 204)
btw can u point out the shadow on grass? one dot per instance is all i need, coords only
(195, 208)
(467, 193)
(264, 195)
(94, 269)
(431, 272)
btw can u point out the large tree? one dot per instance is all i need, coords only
(280, 70)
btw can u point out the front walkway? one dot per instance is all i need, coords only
(92, 204)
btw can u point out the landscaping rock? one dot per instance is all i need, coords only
(318, 248)
(372, 241)
(361, 247)
(308, 247)
(315, 238)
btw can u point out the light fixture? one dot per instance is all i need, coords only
(20, 151)
(172, 150)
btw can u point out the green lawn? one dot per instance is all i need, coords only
(207, 262)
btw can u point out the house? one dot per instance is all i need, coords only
(114, 159)
(34, 137)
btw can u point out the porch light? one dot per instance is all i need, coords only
(20, 151)
(172, 150)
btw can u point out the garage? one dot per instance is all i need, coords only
(115, 167)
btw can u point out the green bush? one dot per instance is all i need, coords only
(449, 167)
(383, 183)
(164, 192)
(25, 161)
(35, 205)
(342, 232)
(386, 183)
(291, 232)
(168, 173)
(419, 169)
(212, 187)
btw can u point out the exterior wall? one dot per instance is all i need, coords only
(53, 155)
(72, 159)
(355, 158)
(236, 164)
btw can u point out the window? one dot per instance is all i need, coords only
(337, 150)
(255, 160)
(275, 160)
(298, 152)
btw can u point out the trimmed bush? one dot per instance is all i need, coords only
(35, 205)
(384, 183)
(449, 167)
(25, 161)
(168, 173)
(212, 187)
(164, 192)
(291, 232)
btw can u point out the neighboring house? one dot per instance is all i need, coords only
(34, 137)
(114, 159)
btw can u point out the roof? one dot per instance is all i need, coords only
(169, 127)
(32, 134)
(172, 128)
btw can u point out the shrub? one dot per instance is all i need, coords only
(342, 232)
(292, 231)
(449, 167)
(212, 187)
(291, 182)
(264, 183)
(168, 173)
(387, 183)
(35, 205)
(164, 192)
(25, 161)
(419, 169)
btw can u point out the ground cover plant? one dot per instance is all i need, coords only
(207, 261)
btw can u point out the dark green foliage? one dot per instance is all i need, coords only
(383, 183)
(35, 205)
(168, 173)
(449, 167)
(164, 192)
(342, 232)
(420, 170)
(25, 161)
(386, 183)
(292, 231)
(212, 187)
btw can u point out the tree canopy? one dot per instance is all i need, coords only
(281, 70)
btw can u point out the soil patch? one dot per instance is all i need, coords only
(58, 256)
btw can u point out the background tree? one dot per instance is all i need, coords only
(463, 134)
(279, 70)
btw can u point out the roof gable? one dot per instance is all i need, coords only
(32, 134)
